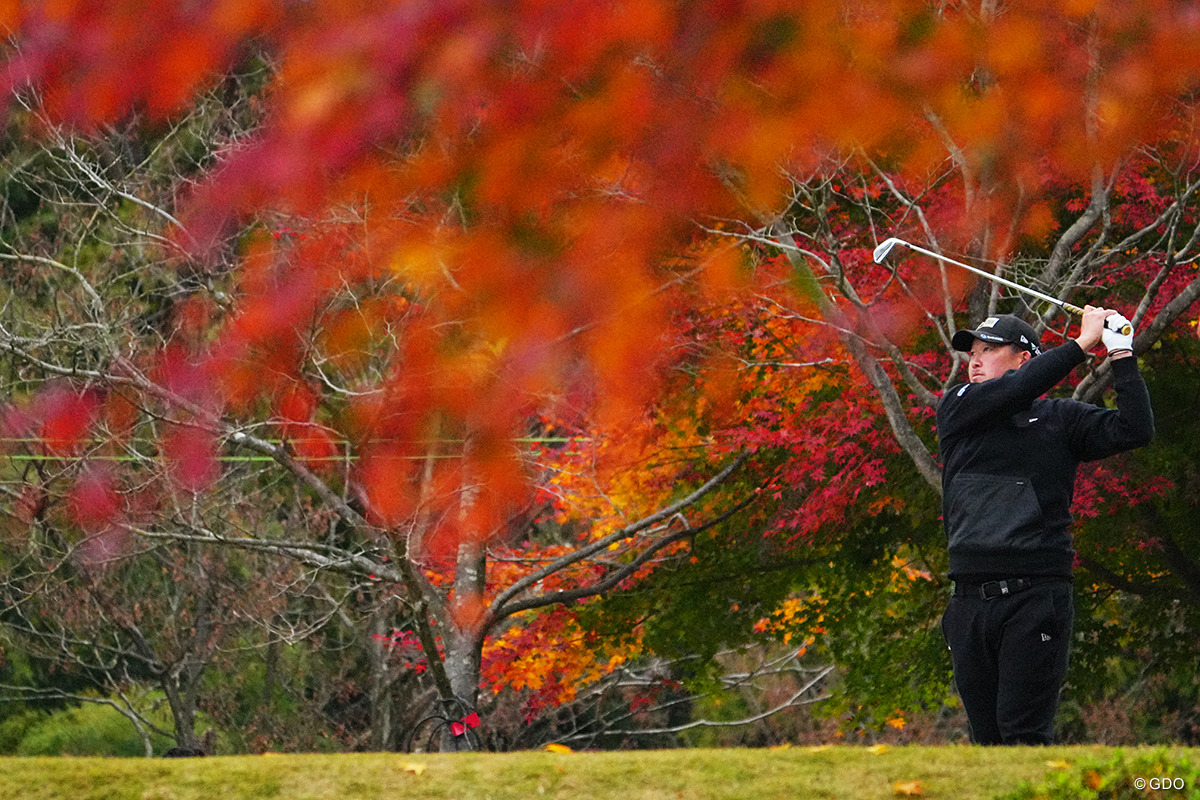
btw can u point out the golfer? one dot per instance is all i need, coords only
(1009, 459)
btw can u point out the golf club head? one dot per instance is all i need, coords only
(881, 252)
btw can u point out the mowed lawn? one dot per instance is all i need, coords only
(959, 772)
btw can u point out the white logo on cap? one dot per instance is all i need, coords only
(989, 322)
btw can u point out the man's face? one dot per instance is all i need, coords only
(989, 360)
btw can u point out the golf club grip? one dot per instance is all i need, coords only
(1125, 329)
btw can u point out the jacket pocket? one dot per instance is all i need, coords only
(992, 512)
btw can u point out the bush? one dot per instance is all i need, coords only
(15, 726)
(89, 730)
(1151, 775)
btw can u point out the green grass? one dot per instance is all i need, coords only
(960, 772)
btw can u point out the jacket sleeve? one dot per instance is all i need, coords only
(971, 405)
(1102, 432)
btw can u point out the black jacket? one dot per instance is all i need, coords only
(1009, 459)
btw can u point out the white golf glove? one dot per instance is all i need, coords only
(1112, 337)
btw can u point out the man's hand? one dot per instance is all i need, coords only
(1120, 345)
(1092, 328)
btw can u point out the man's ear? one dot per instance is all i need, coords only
(1025, 355)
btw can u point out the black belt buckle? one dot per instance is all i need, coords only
(993, 589)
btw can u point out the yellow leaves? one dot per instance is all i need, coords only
(908, 788)
(797, 615)
(413, 767)
(1058, 764)
(897, 722)
(561, 749)
(616, 660)
(878, 749)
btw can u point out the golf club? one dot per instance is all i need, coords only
(885, 247)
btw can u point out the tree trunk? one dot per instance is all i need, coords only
(464, 642)
(181, 697)
(464, 645)
(378, 695)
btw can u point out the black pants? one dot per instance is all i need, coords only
(1010, 660)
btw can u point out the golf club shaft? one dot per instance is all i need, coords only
(1065, 306)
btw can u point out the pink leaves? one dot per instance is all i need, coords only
(96, 504)
(95, 501)
(191, 455)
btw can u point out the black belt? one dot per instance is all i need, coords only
(1010, 586)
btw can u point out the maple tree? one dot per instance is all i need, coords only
(111, 478)
(451, 217)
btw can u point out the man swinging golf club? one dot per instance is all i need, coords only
(1009, 460)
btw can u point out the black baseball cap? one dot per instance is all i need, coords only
(1000, 329)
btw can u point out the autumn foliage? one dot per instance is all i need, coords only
(523, 172)
(477, 267)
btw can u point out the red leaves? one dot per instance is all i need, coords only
(97, 59)
(313, 443)
(61, 417)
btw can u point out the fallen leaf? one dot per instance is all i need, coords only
(414, 767)
(908, 788)
(820, 748)
(878, 749)
(558, 748)
(1058, 764)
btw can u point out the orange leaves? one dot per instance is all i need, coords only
(508, 91)
(10, 15)
(551, 659)
(386, 477)
(493, 196)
